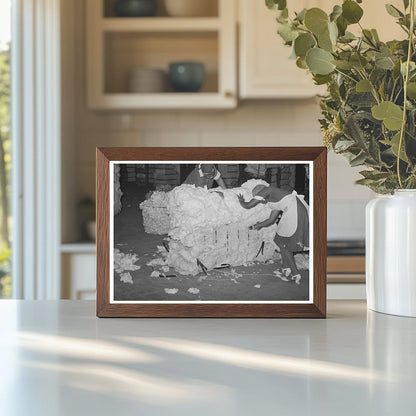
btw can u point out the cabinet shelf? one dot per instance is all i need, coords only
(116, 46)
(198, 100)
(160, 24)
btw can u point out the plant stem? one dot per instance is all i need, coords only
(373, 88)
(346, 75)
(405, 81)
(392, 91)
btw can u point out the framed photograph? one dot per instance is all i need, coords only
(211, 232)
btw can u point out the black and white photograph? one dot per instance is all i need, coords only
(201, 231)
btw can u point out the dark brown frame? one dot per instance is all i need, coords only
(317, 309)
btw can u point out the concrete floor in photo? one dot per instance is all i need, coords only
(251, 283)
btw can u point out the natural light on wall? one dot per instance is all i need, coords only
(5, 144)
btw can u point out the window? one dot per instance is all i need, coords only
(5, 144)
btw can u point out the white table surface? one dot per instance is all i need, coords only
(57, 358)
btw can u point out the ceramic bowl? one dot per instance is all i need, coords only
(191, 8)
(147, 80)
(186, 76)
(135, 8)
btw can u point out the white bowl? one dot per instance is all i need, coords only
(147, 80)
(191, 8)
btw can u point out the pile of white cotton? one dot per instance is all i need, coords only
(210, 228)
(155, 215)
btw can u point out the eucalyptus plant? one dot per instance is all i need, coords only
(369, 111)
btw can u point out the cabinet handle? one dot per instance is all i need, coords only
(229, 94)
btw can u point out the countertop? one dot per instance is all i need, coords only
(57, 358)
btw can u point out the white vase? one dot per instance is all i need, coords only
(391, 253)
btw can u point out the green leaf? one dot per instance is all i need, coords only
(393, 11)
(362, 99)
(374, 174)
(388, 112)
(303, 43)
(281, 19)
(375, 35)
(405, 21)
(358, 160)
(411, 90)
(394, 145)
(333, 32)
(336, 12)
(406, 4)
(363, 86)
(276, 4)
(351, 11)
(301, 63)
(382, 89)
(344, 65)
(353, 131)
(287, 33)
(358, 61)
(342, 25)
(282, 4)
(325, 42)
(319, 61)
(321, 79)
(384, 62)
(316, 20)
(412, 67)
(301, 15)
(347, 37)
(343, 145)
(368, 36)
(374, 150)
(365, 182)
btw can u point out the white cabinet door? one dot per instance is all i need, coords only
(266, 71)
(78, 276)
(265, 68)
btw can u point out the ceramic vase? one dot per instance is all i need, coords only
(391, 253)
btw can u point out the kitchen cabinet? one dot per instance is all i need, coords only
(78, 263)
(118, 45)
(265, 70)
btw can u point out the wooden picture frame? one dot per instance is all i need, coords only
(109, 301)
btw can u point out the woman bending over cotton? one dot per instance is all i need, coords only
(293, 228)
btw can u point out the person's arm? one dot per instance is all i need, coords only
(250, 204)
(274, 215)
(220, 182)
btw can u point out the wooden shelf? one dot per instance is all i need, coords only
(197, 100)
(160, 24)
(87, 247)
